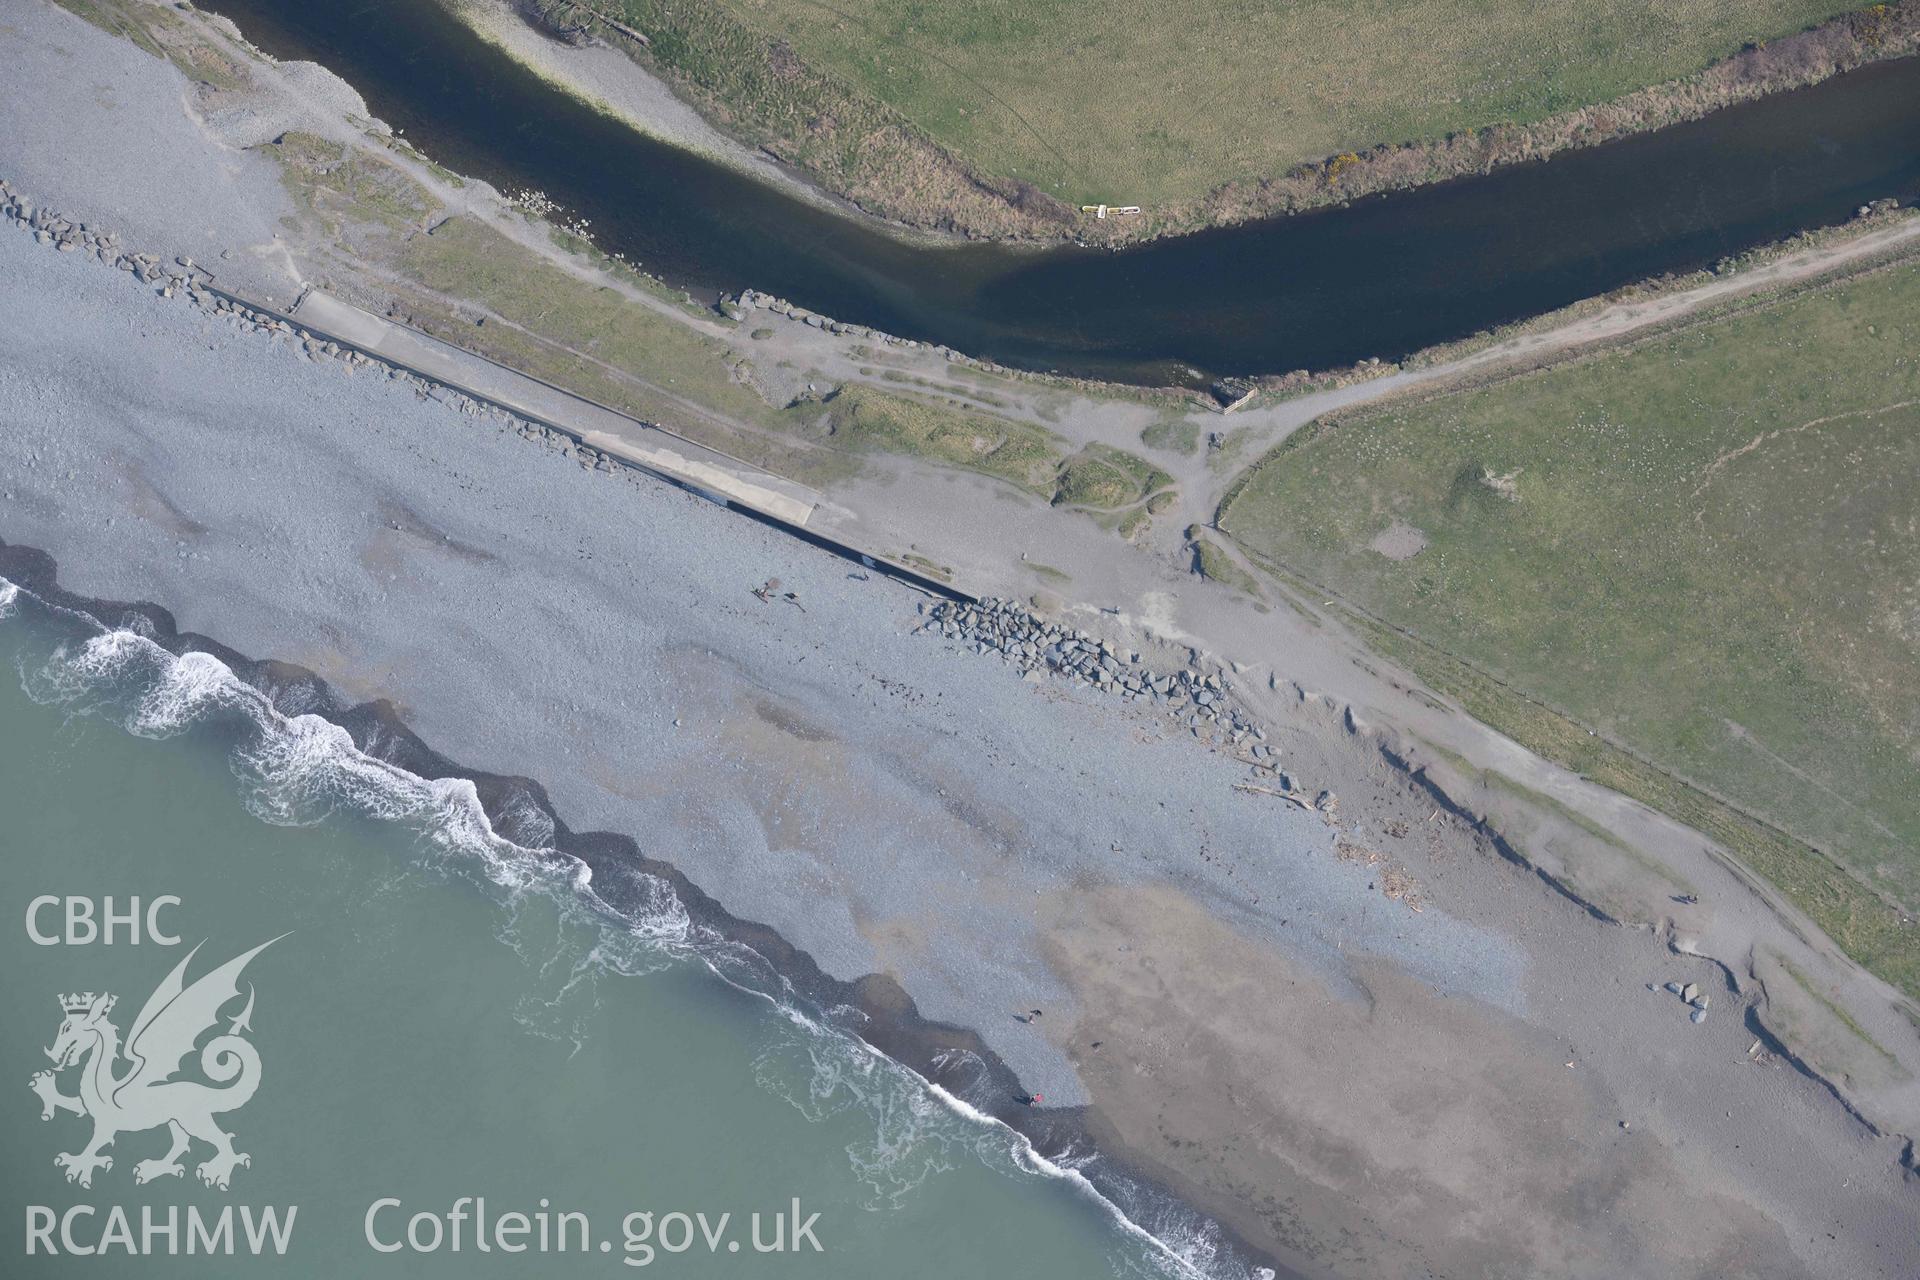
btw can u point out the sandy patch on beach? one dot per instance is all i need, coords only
(1385, 1129)
(1305, 1057)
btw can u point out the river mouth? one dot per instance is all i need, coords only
(1383, 277)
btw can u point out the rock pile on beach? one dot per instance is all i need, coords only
(1195, 698)
(49, 227)
(1696, 999)
(182, 278)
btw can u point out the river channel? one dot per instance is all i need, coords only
(1383, 276)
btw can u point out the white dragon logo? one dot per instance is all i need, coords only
(146, 1096)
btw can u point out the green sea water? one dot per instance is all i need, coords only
(446, 1017)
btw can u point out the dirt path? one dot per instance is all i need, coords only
(1261, 429)
(1077, 417)
(1271, 989)
(1296, 668)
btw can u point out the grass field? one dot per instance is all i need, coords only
(583, 336)
(1217, 566)
(343, 189)
(594, 340)
(155, 30)
(1153, 101)
(1173, 435)
(862, 419)
(1107, 478)
(1707, 547)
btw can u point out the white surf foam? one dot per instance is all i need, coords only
(297, 770)
(1187, 1244)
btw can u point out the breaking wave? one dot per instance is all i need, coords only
(297, 768)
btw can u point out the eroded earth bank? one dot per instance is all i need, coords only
(1283, 974)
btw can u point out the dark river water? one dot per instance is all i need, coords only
(1383, 277)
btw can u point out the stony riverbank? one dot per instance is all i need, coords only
(1362, 1088)
(826, 773)
(947, 195)
(1763, 68)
